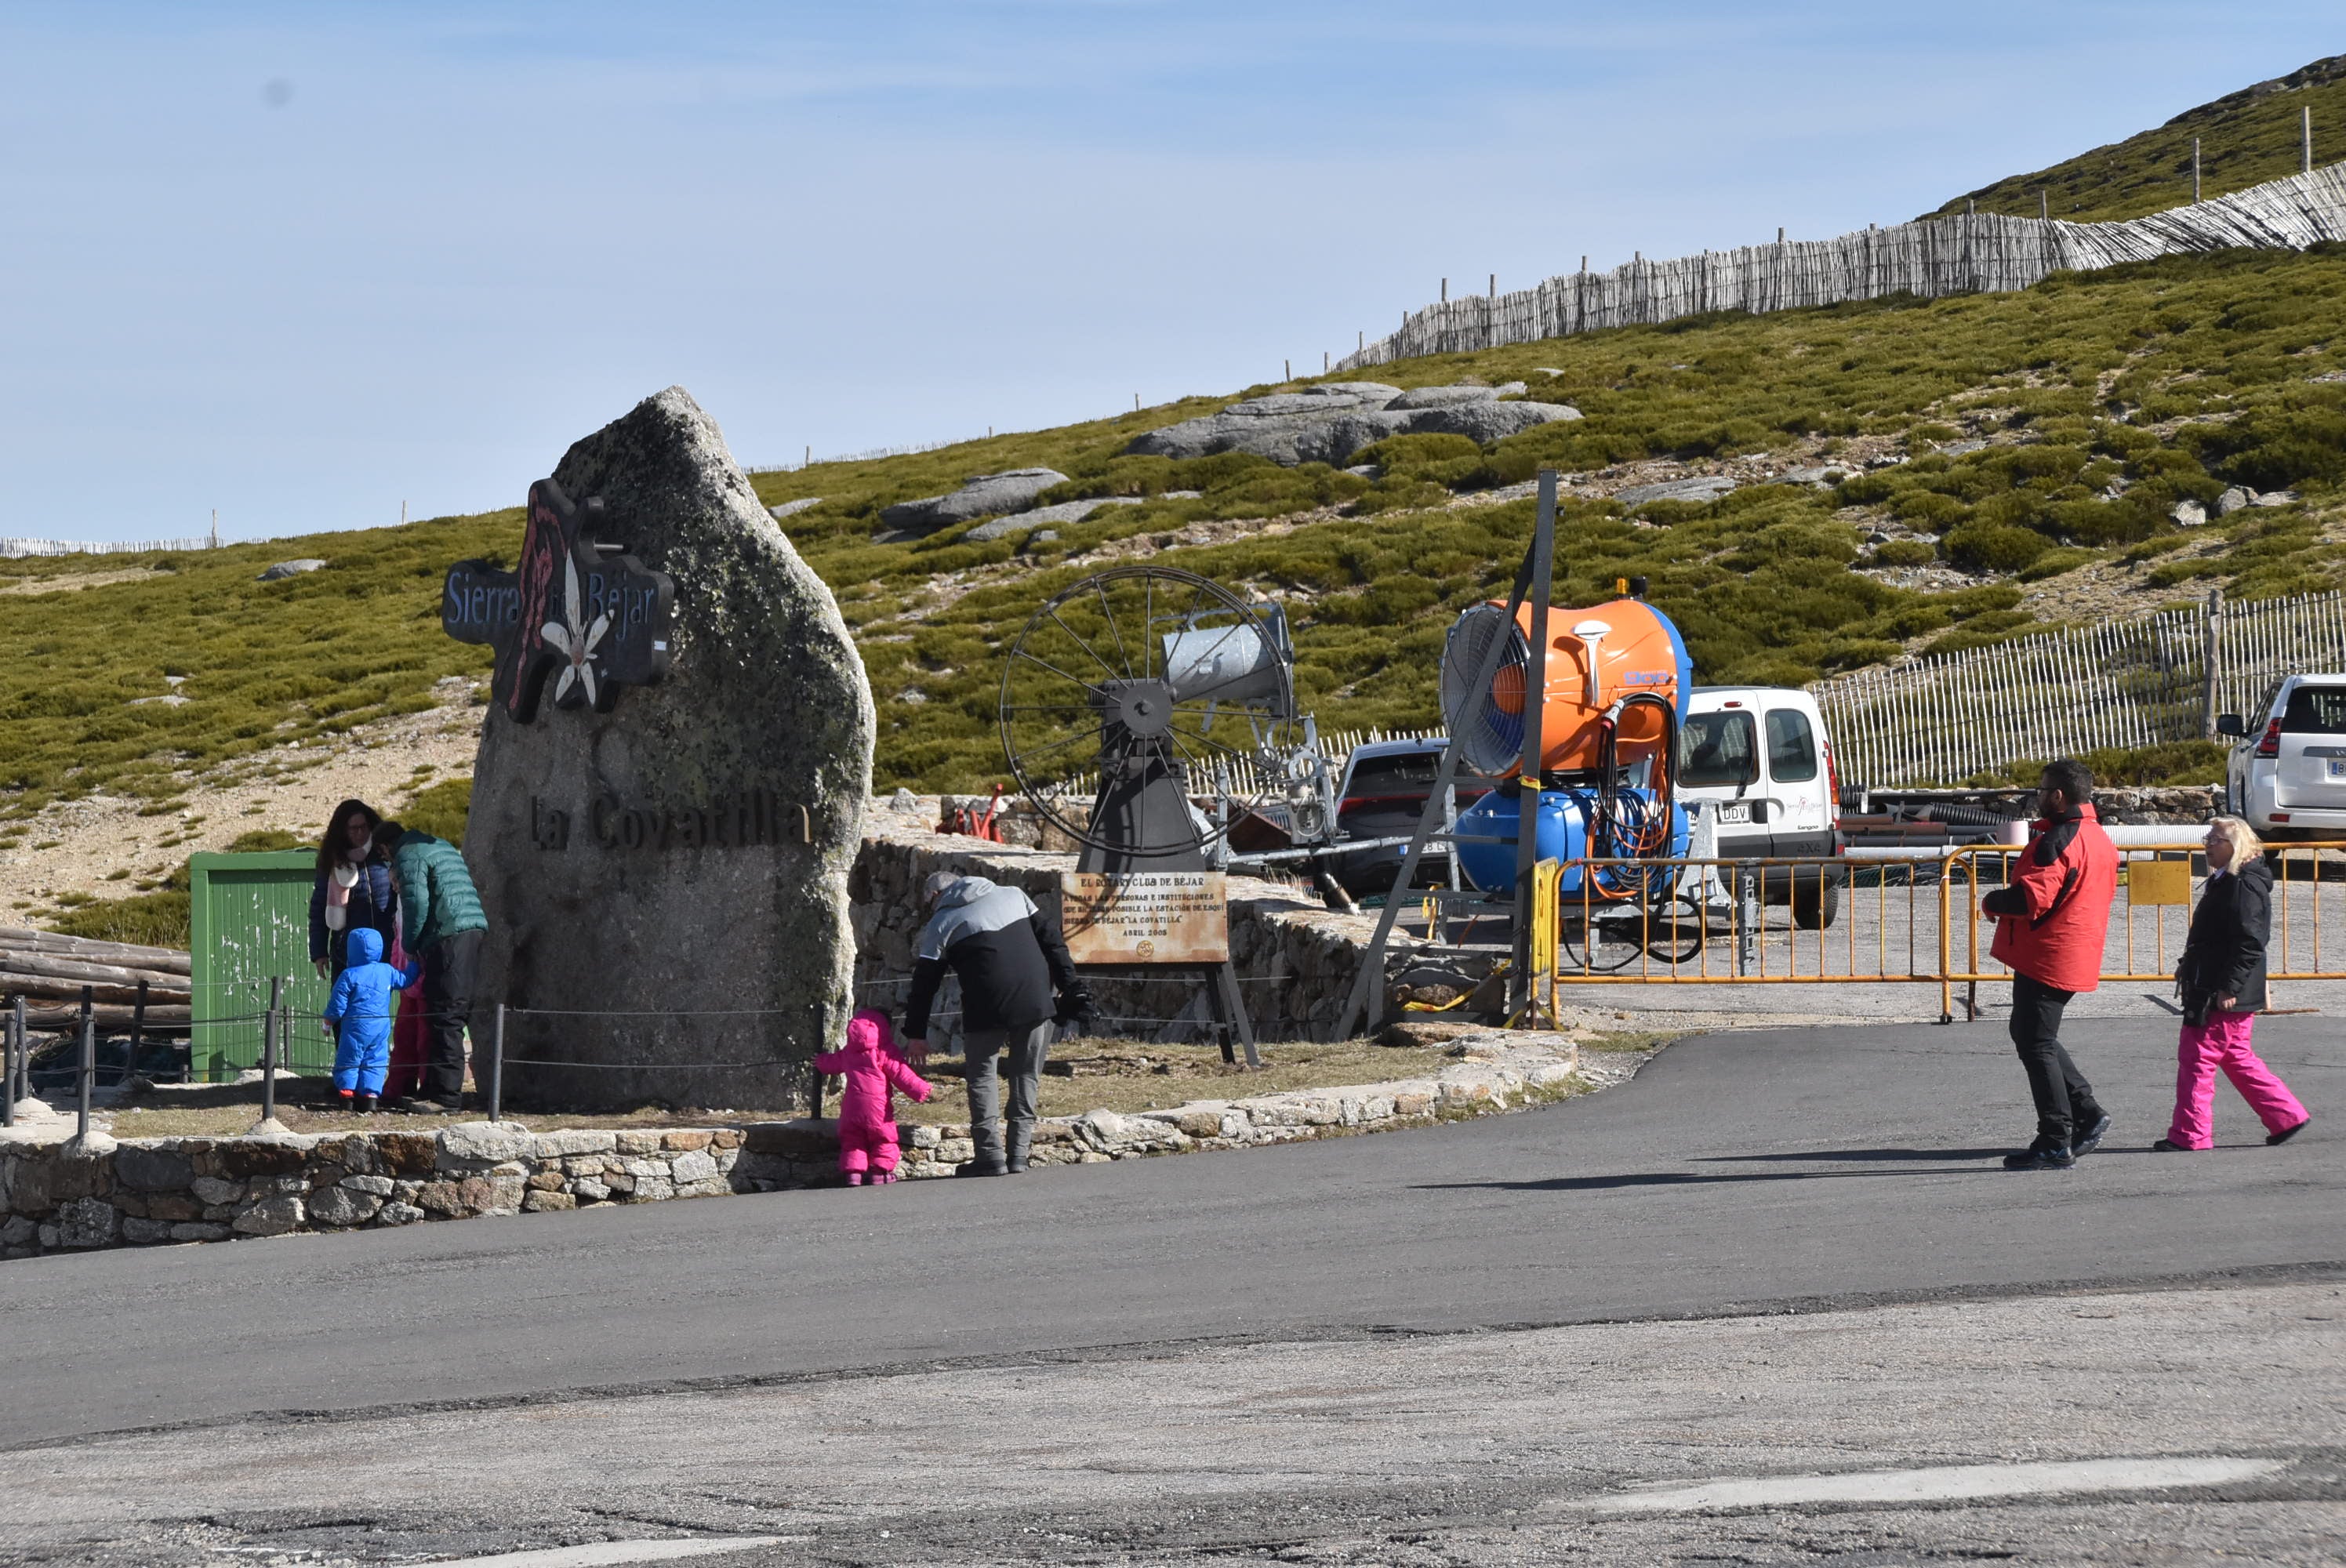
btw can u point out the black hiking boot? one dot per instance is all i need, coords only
(981, 1169)
(2090, 1139)
(2040, 1157)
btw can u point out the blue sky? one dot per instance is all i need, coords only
(302, 262)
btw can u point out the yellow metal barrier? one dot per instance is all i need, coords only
(2156, 879)
(1721, 921)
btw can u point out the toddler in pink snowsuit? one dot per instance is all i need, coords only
(867, 1117)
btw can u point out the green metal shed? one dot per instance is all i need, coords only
(248, 922)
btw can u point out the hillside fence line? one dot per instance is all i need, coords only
(1945, 718)
(1931, 258)
(14, 549)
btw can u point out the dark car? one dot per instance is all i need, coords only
(1382, 796)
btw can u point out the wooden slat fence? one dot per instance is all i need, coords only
(2123, 683)
(11, 549)
(1964, 253)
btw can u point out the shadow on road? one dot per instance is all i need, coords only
(1677, 1178)
(1997, 1153)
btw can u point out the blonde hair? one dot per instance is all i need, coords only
(2246, 845)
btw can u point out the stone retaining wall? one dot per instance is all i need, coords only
(1295, 959)
(56, 1195)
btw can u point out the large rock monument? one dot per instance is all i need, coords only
(670, 783)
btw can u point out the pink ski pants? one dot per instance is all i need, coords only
(2223, 1042)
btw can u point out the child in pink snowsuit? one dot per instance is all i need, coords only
(867, 1117)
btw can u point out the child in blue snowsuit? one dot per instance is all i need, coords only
(360, 1006)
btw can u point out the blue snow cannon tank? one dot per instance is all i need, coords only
(1563, 835)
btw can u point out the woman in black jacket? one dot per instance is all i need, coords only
(2222, 979)
(352, 890)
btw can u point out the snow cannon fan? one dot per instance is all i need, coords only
(1615, 691)
(1623, 659)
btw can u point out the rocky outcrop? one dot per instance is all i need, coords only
(679, 862)
(1329, 422)
(1701, 488)
(1011, 491)
(1045, 516)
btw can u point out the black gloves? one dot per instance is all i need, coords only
(1076, 1007)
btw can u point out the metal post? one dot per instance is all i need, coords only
(497, 1064)
(271, 1024)
(21, 1085)
(2044, 205)
(2194, 171)
(137, 1032)
(88, 1064)
(8, 1066)
(1366, 1001)
(2211, 644)
(1535, 754)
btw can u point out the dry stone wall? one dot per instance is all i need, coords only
(60, 1196)
(1295, 959)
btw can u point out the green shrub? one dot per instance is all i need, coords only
(1417, 451)
(2054, 563)
(1903, 552)
(1985, 547)
(441, 809)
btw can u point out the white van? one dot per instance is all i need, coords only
(2287, 778)
(1758, 755)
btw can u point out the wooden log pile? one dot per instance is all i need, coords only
(49, 972)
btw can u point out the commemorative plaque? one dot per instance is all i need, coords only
(1146, 917)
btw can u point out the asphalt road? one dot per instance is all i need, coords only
(1735, 1173)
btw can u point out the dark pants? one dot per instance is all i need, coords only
(450, 965)
(981, 1048)
(2065, 1101)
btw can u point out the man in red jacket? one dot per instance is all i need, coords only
(2051, 920)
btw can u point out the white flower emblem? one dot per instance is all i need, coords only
(576, 639)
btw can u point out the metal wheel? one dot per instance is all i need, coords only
(1142, 666)
(1674, 930)
(1611, 939)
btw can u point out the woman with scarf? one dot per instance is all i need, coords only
(353, 890)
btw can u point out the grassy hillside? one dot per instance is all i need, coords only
(2246, 138)
(2105, 399)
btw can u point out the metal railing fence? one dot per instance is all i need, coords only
(1837, 922)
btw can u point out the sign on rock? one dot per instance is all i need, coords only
(1146, 917)
(578, 610)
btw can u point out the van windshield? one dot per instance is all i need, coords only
(1718, 749)
(2315, 710)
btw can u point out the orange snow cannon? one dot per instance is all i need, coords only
(1620, 665)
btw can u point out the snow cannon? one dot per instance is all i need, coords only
(1616, 688)
(1617, 678)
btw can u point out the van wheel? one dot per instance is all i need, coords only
(1815, 905)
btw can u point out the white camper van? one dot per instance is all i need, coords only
(1760, 758)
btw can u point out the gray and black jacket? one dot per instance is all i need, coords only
(1013, 966)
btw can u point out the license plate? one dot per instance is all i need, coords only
(2338, 768)
(1741, 810)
